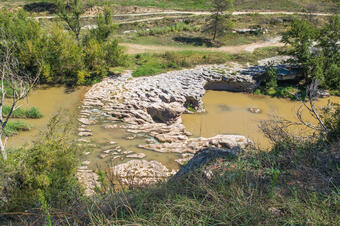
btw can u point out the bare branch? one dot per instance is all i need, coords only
(13, 78)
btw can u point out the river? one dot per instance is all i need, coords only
(49, 100)
(226, 113)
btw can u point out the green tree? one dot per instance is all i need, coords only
(329, 44)
(104, 26)
(26, 38)
(63, 58)
(220, 21)
(316, 50)
(70, 11)
(270, 77)
(301, 37)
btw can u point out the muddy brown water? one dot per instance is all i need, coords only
(227, 113)
(49, 100)
(103, 136)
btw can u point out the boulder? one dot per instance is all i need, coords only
(205, 156)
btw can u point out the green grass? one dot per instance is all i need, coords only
(152, 64)
(282, 91)
(13, 128)
(178, 27)
(289, 5)
(33, 112)
(292, 5)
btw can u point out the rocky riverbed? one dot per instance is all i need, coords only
(150, 107)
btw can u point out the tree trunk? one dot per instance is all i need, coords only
(3, 150)
(215, 31)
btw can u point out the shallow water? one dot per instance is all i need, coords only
(49, 100)
(227, 113)
(103, 136)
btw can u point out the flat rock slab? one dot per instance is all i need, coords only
(140, 172)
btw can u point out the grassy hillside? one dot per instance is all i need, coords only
(277, 5)
(291, 5)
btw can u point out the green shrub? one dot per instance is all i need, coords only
(270, 77)
(319, 61)
(27, 38)
(33, 112)
(331, 117)
(178, 27)
(13, 128)
(64, 57)
(47, 168)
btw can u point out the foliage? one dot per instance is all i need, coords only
(104, 26)
(14, 127)
(33, 112)
(270, 77)
(178, 27)
(70, 12)
(47, 168)
(331, 117)
(220, 21)
(316, 50)
(63, 57)
(26, 36)
(58, 54)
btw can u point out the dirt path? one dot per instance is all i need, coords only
(137, 48)
(198, 13)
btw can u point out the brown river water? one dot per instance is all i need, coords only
(49, 100)
(226, 113)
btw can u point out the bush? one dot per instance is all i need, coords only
(13, 128)
(270, 77)
(27, 38)
(33, 112)
(48, 167)
(63, 58)
(178, 27)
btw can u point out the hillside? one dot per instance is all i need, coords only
(240, 5)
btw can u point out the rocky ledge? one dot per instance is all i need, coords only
(153, 106)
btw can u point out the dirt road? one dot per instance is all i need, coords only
(137, 48)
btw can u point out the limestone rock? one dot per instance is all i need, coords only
(139, 172)
(136, 156)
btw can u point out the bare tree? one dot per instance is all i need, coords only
(311, 8)
(15, 86)
(276, 129)
(312, 93)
